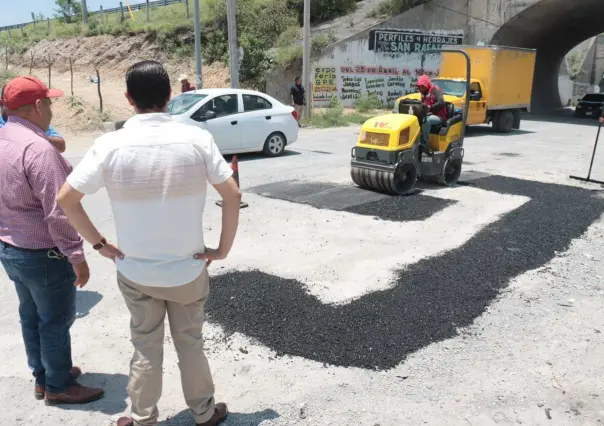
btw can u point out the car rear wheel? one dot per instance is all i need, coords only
(274, 145)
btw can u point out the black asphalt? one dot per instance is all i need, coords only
(354, 200)
(430, 299)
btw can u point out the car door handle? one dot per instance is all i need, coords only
(233, 122)
(268, 117)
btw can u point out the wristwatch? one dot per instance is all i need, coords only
(100, 245)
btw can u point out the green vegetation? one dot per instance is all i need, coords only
(5, 76)
(367, 103)
(290, 49)
(68, 10)
(269, 30)
(390, 8)
(335, 115)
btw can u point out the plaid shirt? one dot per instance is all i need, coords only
(32, 172)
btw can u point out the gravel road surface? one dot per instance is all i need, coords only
(481, 304)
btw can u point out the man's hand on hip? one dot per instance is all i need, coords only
(210, 255)
(111, 252)
(82, 274)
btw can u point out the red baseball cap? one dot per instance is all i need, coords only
(23, 91)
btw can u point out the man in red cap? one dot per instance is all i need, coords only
(433, 98)
(39, 249)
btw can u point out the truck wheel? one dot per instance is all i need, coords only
(504, 120)
(517, 119)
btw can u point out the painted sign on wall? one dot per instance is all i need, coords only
(399, 42)
(324, 83)
(387, 64)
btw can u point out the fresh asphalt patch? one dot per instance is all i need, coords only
(430, 299)
(352, 199)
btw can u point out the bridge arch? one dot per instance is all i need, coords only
(553, 27)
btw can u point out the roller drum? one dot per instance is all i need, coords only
(398, 182)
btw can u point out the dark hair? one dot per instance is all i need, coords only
(148, 84)
(298, 78)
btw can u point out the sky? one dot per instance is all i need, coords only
(12, 14)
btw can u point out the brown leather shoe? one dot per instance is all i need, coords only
(39, 392)
(76, 394)
(220, 413)
(125, 421)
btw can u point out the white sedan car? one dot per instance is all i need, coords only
(239, 120)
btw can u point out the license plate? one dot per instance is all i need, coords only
(588, 113)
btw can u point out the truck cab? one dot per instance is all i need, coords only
(500, 85)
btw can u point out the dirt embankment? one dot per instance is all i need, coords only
(112, 56)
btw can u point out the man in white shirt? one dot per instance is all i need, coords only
(156, 172)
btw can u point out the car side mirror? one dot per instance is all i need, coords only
(208, 115)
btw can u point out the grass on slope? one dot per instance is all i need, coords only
(262, 26)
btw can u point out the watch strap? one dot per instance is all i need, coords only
(100, 244)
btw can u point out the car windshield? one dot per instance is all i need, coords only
(182, 103)
(594, 97)
(451, 87)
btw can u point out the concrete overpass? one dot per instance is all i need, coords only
(553, 27)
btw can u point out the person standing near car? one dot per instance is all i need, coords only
(297, 97)
(40, 251)
(156, 172)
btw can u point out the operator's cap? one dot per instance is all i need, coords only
(23, 91)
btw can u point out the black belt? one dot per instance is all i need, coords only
(4, 243)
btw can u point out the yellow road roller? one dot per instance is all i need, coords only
(389, 155)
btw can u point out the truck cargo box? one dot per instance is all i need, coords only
(506, 73)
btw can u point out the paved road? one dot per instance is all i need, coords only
(479, 304)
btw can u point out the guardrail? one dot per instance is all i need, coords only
(136, 6)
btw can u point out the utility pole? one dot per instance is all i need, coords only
(84, 12)
(148, 19)
(306, 61)
(198, 45)
(233, 47)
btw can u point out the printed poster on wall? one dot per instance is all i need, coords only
(386, 65)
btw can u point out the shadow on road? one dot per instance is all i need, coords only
(85, 301)
(233, 419)
(114, 401)
(565, 115)
(259, 156)
(483, 130)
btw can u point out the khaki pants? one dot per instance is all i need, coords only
(299, 110)
(185, 308)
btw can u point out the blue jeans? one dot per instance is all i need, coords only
(47, 310)
(431, 120)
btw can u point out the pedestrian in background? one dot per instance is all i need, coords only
(51, 134)
(298, 98)
(156, 172)
(185, 86)
(39, 250)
